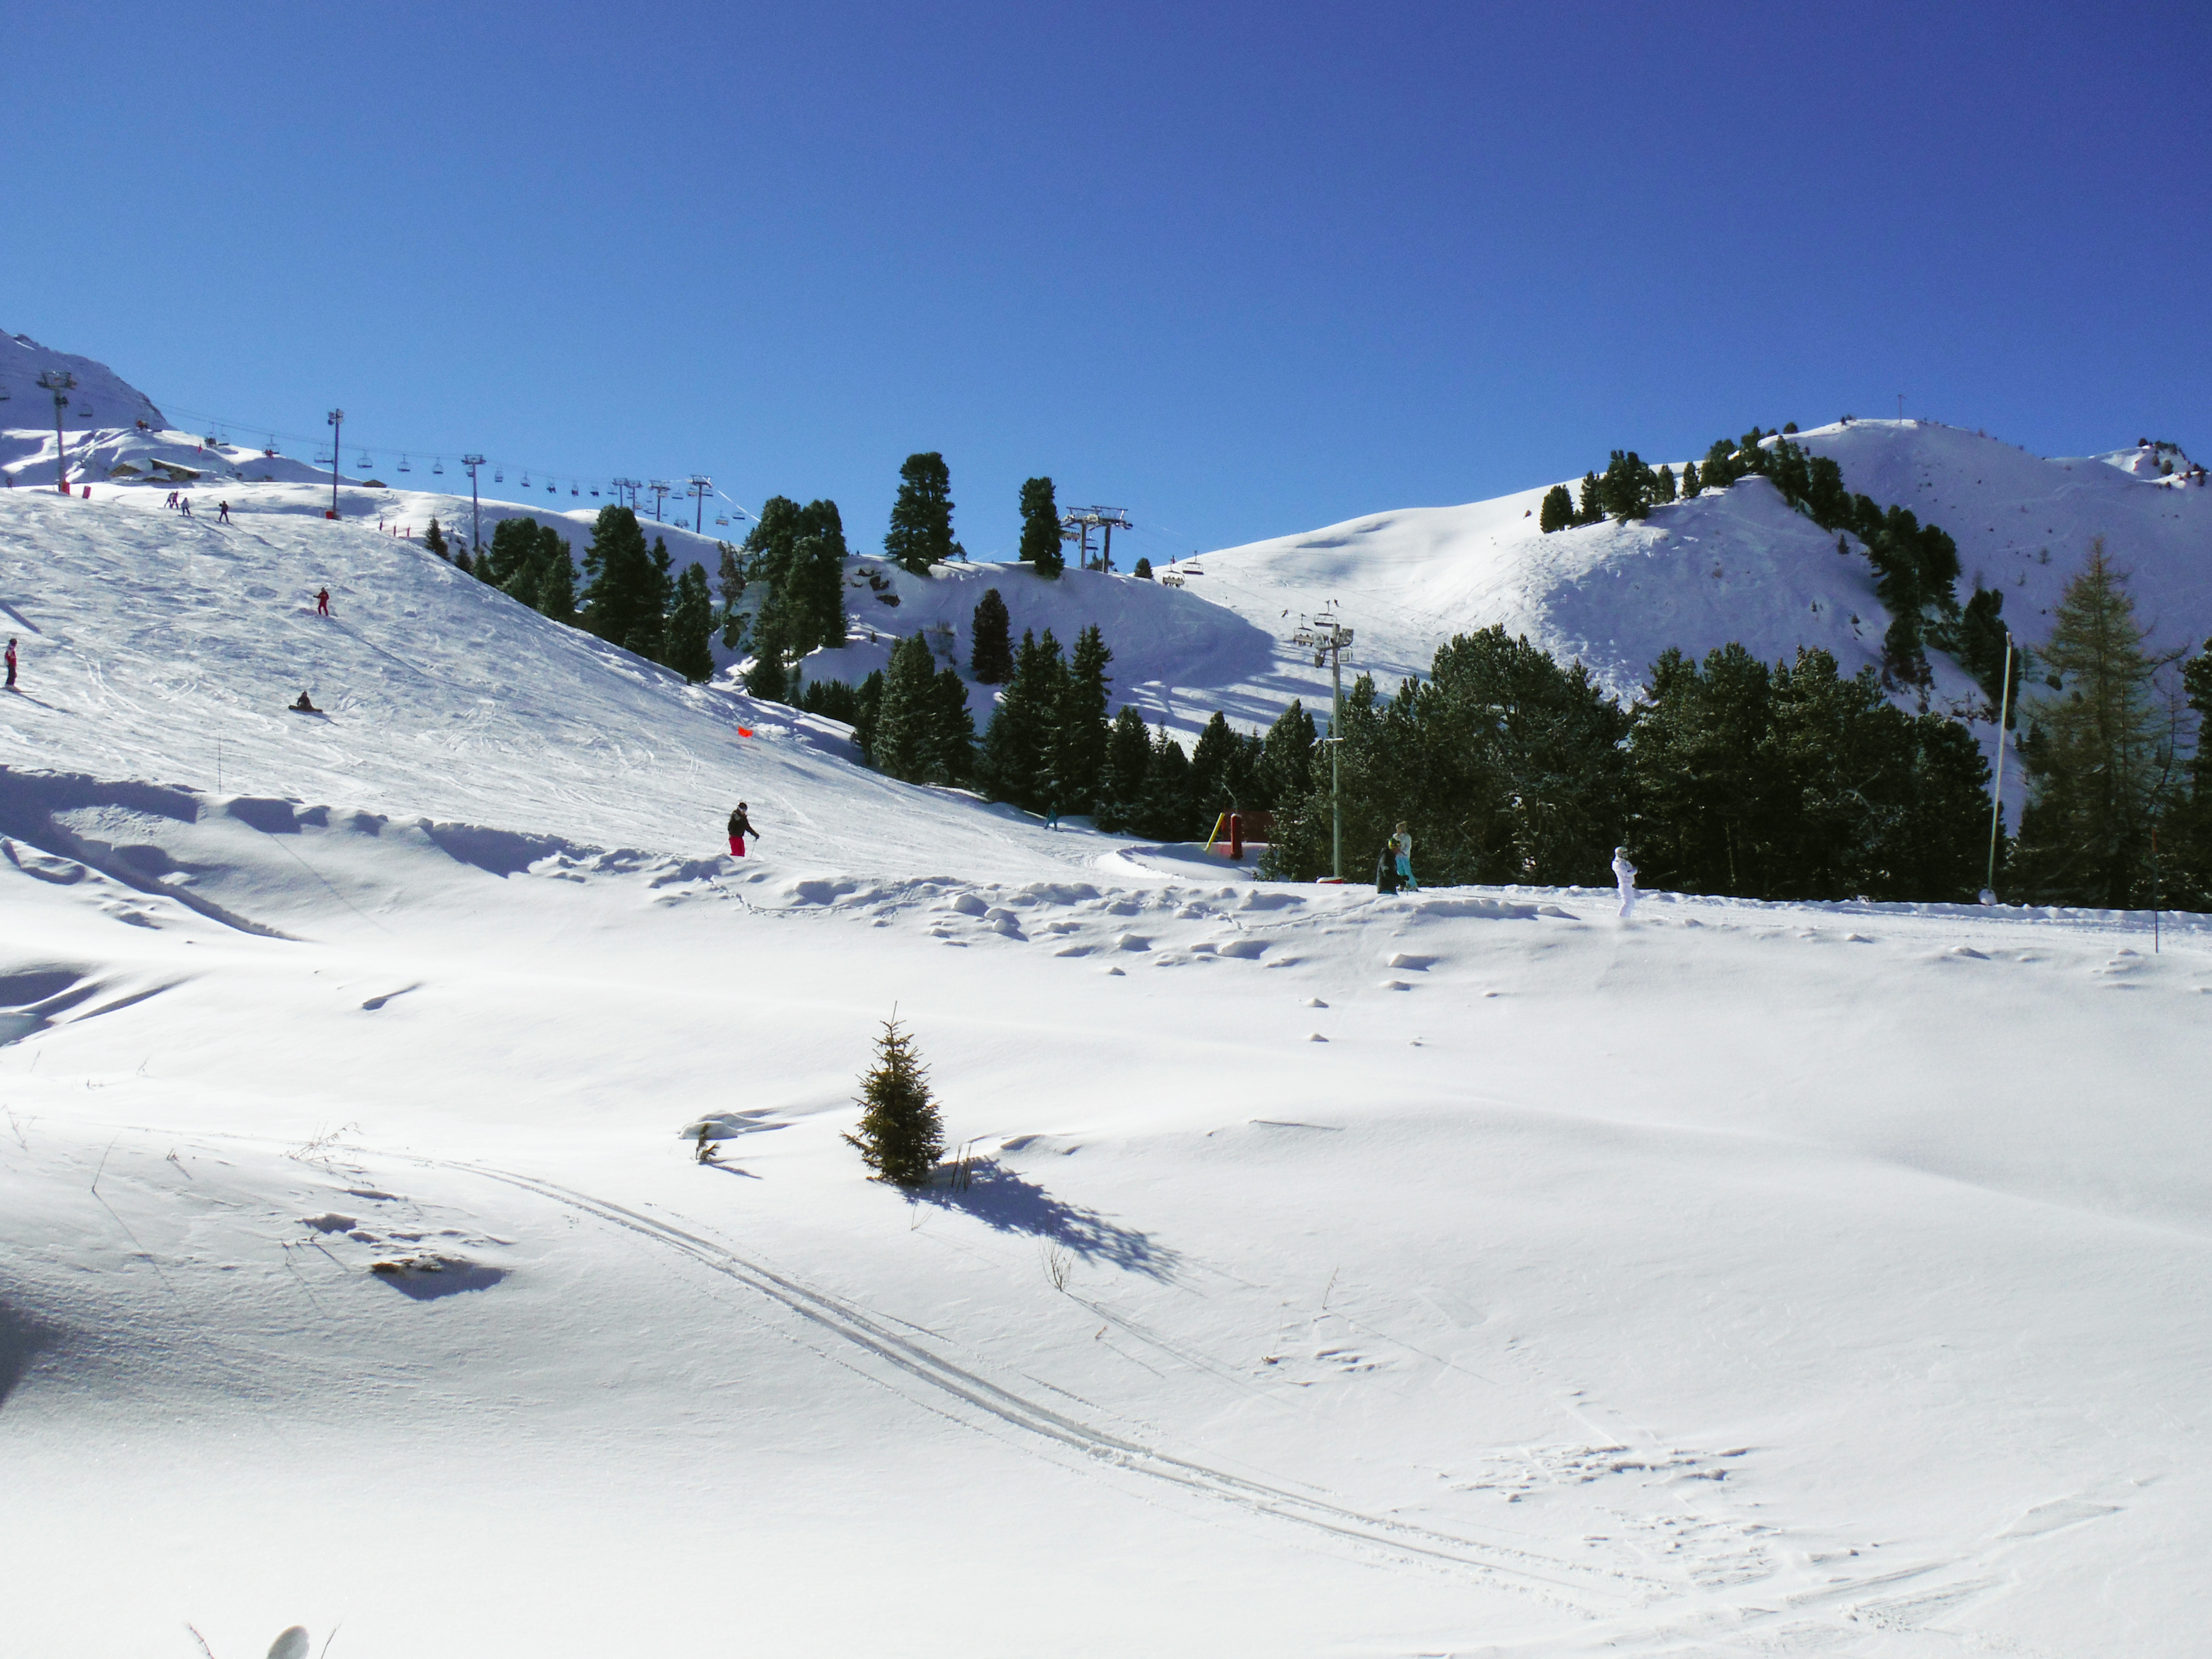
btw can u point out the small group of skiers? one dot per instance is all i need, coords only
(179, 502)
(1393, 869)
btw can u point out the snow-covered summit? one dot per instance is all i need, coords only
(101, 397)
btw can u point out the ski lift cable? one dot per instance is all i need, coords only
(215, 420)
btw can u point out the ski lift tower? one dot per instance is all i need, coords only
(475, 512)
(629, 487)
(61, 383)
(337, 419)
(1082, 521)
(660, 486)
(1328, 639)
(697, 488)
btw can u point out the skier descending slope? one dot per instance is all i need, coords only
(740, 827)
(1625, 874)
(11, 665)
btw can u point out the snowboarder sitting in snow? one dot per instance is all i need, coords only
(304, 706)
(740, 827)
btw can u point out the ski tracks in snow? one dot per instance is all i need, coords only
(1595, 1590)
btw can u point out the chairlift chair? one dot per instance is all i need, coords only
(552, 489)
(526, 480)
(404, 467)
(364, 463)
(499, 475)
(595, 489)
(721, 519)
(438, 466)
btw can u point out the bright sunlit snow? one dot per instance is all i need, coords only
(1468, 1272)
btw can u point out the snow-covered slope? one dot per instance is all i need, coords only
(1735, 566)
(1455, 1273)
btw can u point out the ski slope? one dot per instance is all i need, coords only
(1461, 1273)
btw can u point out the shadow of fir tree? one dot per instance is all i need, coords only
(1005, 1203)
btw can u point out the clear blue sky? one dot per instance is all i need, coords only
(1243, 270)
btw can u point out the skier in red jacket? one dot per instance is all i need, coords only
(11, 665)
(323, 603)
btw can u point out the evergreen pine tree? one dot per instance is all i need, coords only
(1166, 812)
(1214, 765)
(1665, 492)
(1015, 764)
(556, 581)
(1040, 543)
(1691, 483)
(1122, 783)
(1143, 573)
(902, 742)
(951, 730)
(921, 532)
(2185, 833)
(901, 1135)
(434, 540)
(2093, 752)
(1079, 739)
(868, 703)
(1558, 511)
(461, 562)
(1287, 754)
(1591, 508)
(814, 592)
(734, 574)
(622, 597)
(690, 627)
(991, 652)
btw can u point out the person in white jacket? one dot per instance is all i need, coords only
(1625, 874)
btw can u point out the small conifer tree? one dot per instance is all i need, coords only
(434, 540)
(1143, 573)
(1559, 510)
(900, 1135)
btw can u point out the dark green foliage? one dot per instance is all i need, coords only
(1590, 508)
(1691, 483)
(2097, 752)
(767, 679)
(869, 701)
(1665, 492)
(1078, 738)
(1040, 545)
(733, 574)
(991, 647)
(902, 744)
(1979, 646)
(901, 1135)
(1166, 812)
(1122, 783)
(434, 541)
(1794, 782)
(832, 699)
(622, 598)
(649, 632)
(2185, 835)
(532, 563)
(1220, 771)
(1558, 511)
(461, 562)
(1016, 763)
(1505, 766)
(1285, 771)
(1143, 573)
(691, 626)
(1629, 489)
(799, 554)
(921, 532)
(952, 731)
